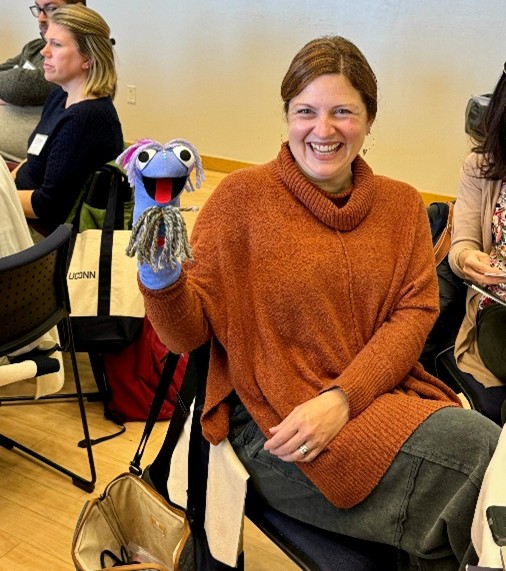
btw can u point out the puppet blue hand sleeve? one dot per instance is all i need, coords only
(159, 279)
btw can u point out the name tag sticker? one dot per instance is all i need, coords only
(37, 144)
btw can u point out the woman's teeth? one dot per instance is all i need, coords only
(324, 148)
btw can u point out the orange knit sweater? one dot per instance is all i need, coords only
(300, 295)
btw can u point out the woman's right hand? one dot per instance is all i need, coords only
(312, 424)
(475, 264)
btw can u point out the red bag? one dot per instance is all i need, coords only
(133, 374)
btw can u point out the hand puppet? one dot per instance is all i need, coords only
(158, 174)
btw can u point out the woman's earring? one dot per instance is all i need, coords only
(369, 145)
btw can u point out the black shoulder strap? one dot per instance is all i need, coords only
(192, 388)
(160, 467)
(194, 377)
(161, 391)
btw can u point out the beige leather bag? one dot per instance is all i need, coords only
(442, 246)
(135, 524)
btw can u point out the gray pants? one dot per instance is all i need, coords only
(423, 505)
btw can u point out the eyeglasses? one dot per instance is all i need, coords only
(36, 11)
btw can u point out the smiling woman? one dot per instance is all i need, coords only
(79, 130)
(315, 280)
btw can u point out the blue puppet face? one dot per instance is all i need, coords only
(159, 173)
(164, 173)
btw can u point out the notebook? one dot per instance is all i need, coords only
(485, 291)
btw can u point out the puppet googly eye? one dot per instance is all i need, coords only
(185, 155)
(144, 158)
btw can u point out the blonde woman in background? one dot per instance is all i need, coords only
(79, 130)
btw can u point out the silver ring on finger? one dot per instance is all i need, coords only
(304, 450)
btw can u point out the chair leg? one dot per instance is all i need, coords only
(79, 481)
(88, 485)
(98, 369)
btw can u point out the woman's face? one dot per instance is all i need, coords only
(63, 64)
(327, 125)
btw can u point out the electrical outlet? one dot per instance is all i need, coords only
(131, 94)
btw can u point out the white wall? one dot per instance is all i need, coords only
(210, 70)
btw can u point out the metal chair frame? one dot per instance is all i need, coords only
(33, 289)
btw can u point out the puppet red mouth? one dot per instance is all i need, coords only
(163, 190)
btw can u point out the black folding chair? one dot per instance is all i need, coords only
(33, 290)
(311, 548)
(314, 549)
(489, 401)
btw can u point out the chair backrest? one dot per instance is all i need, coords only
(33, 290)
(487, 400)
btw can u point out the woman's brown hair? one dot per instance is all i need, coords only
(331, 54)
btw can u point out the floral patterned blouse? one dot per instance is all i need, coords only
(498, 251)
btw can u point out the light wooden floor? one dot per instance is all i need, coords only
(39, 506)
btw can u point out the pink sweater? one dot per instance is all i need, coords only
(300, 296)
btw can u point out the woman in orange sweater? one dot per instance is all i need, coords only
(315, 280)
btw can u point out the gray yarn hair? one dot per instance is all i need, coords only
(145, 233)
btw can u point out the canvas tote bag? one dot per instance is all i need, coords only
(131, 525)
(140, 529)
(107, 308)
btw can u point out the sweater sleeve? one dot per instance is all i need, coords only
(10, 63)
(467, 217)
(23, 87)
(391, 353)
(179, 313)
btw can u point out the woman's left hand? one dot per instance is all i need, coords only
(310, 426)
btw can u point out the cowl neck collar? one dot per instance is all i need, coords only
(344, 218)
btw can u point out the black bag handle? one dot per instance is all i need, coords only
(194, 377)
(192, 388)
(166, 378)
(105, 263)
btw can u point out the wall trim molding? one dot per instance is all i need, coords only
(429, 197)
(223, 165)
